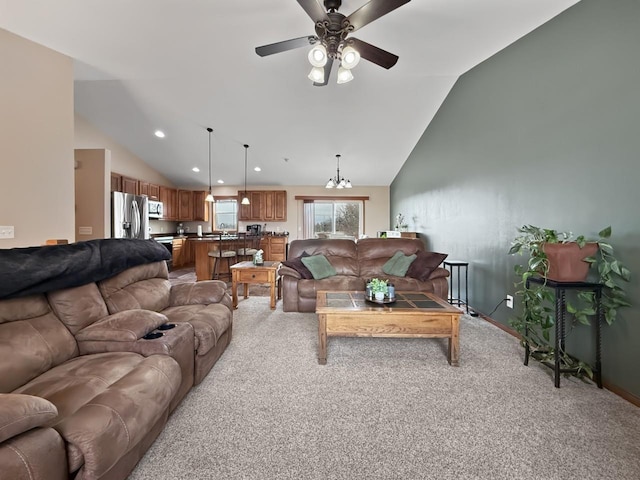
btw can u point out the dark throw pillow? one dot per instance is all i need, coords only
(398, 264)
(298, 266)
(424, 264)
(319, 266)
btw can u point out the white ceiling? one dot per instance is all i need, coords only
(184, 65)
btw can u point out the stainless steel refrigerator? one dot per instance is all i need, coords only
(129, 215)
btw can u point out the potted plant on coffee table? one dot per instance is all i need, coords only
(549, 252)
(379, 288)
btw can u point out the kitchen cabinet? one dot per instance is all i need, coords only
(169, 197)
(178, 259)
(266, 205)
(274, 248)
(116, 182)
(129, 185)
(185, 205)
(200, 207)
(149, 189)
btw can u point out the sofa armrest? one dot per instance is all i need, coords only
(38, 454)
(284, 271)
(19, 413)
(125, 326)
(199, 293)
(438, 273)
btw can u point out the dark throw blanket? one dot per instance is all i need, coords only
(25, 271)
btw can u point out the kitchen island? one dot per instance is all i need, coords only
(202, 246)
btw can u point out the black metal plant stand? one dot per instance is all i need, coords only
(450, 264)
(560, 289)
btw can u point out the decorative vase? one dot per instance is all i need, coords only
(566, 261)
(379, 296)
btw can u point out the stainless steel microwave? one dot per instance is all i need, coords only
(155, 209)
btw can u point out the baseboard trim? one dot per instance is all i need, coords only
(622, 393)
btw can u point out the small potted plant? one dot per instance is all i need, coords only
(545, 247)
(379, 288)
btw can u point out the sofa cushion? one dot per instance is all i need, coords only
(32, 341)
(319, 266)
(99, 399)
(78, 307)
(298, 266)
(209, 322)
(424, 264)
(145, 286)
(398, 264)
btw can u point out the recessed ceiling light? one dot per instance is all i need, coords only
(195, 169)
(159, 133)
(257, 169)
(220, 181)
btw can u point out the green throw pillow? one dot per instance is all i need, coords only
(398, 264)
(319, 266)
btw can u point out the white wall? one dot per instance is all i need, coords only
(36, 142)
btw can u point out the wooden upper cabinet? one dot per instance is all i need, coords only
(275, 206)
(149, 189)
(130, 185)
(154, 191)
(116, 182)
(200, 207)
(266, 205)
(185, 205)
(169, 199)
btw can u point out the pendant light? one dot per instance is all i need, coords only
(245, 198)
(209, 197)
(337, 181)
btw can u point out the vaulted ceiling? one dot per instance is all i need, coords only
(183, 66)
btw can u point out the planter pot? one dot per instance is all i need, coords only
(566, 261)
(379, 296)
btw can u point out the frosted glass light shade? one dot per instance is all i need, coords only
(350, 57)
(344, 75)
(317, 74)
(318, 56)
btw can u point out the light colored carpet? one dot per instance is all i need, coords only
(388, 409)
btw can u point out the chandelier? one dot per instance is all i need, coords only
(337, 181)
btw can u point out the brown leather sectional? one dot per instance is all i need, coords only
(354, 262)
(90, 374)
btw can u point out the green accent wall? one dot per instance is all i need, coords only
(545, 132)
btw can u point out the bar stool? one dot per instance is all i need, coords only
(220, 254)
(450, 265)
(250, 245)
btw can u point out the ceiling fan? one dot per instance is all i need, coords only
(330, 42)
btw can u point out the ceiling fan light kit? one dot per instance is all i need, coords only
(337, 181)
(331, 43)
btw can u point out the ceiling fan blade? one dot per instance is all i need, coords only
(314, 10)
(374, 54)
(278, 47)
(372, 11)
(327, 72)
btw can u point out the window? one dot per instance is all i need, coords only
(333, 218)
(226, 213)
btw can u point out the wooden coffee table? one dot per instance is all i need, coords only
(413, 315)
(247, 272)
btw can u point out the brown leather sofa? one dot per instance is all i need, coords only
(89, 374)
(354, 262)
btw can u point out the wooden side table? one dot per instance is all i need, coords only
(247, 273)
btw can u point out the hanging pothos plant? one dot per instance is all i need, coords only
(537, 319)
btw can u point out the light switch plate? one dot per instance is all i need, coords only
(6, 231)
(85, 230)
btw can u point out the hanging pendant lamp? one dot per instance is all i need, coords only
(337, 181)
(245, 198)
(209, 197)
